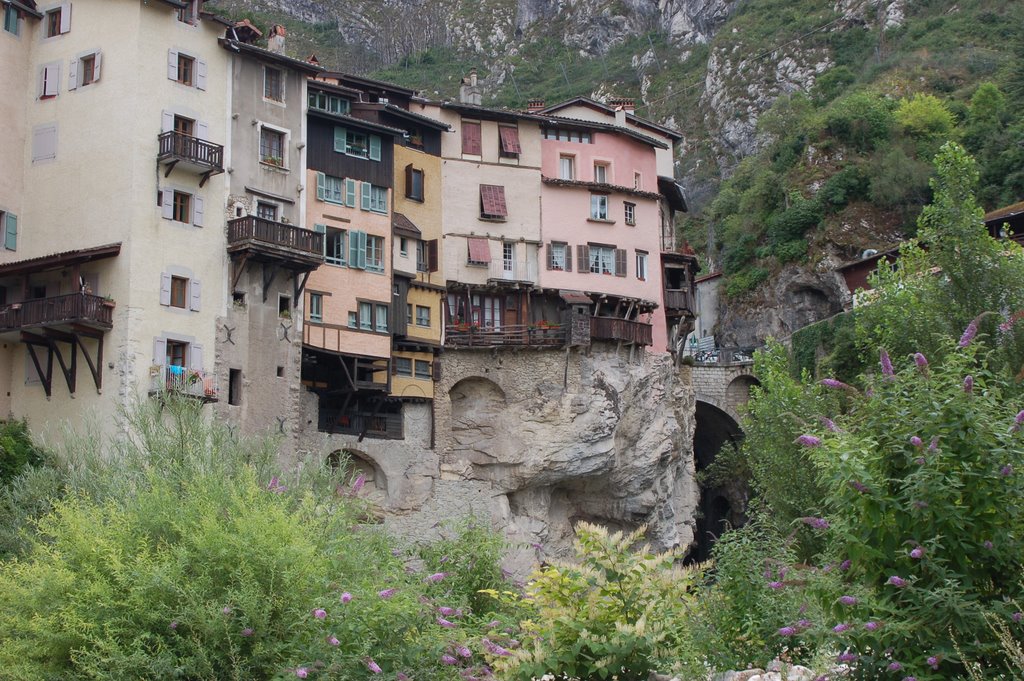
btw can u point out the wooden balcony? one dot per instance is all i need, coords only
(268, 241)
(678, 299)
(624, 330)
(71, 310)
(379, 426)
(193, 383)
(178, 150)
(508, 335)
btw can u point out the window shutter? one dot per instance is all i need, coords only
(350, 193)
(11, 232)
(195, 356)
(374, 148)
(172, 64)
(547, 251)
(201, 74)
(65, 17)
(583, 258)
(321, 186)
(435, 370)
(196, 295)
(353, 249)
(166, 121)
(362, 250)
(73, 75)
(340, 140)
(97, 64)
(408, 181)
(365, 189)
(470, 138)
(41, 83)
(51, 80)
(620, 262)
(432, 254)
(568, 258)
(167, 204)
(197, 211)
(165, 288)
(203, 130)
(160, 351)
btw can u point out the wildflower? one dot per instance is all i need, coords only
(387, 593)
(494, 648)
(933, 661)
(446, 611)
(846, 657)
(872, 626)
(886, 363)
(969, 333)
(848, 600)
(816, 523)
(921, 361)
(445, 623)
(356, 486)
(894, 666)
(493, 624)
(1006, 471)
(896, 580)
(968, 384)
(775, 586)
(919, 461)
(537, 546)
(275, 486)
(373, 666)
(803, 624)
(830, 424)
(319, 613)
(346, 597)
(402, 677)
(933, 446)
(333, 640)
(845, 565)
(1017, 616)
(809, 441)
(917, 553)
(840, 628)
(916, 441)
(833, 383)
(302, 672)
(226, 610)
(1018, 421)
(909, 678)
(859, 486)
(436, 577)
(247, 632)
(463, 651)
(988, 545)
(921, 504)
(173, 625)
(787, 631)
(448, 659)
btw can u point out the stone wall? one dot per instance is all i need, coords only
(534, 441)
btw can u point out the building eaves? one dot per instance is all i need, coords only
(175, 3)
(890, 253)
(1013, 210)
(485, 113)
(675, 135)
(333, 87)
(342, 118)
(26, 6)
(363, 82)
(600, 187)
(59, 260)
(673, 193)
(567, 122)
(419, 118)
(267, 55)
(205, 14)
(403, 225)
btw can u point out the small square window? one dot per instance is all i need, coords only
(53, 21)
(186, 69)
(238, 298)
(88, 66)
(422, 315)
(280, 372)
(187, 14)
(273, 84)
(266, 211)
(403, 366)
(422, 369)
(284, 306)
(630, 212)
(182, 210)
(179, 292)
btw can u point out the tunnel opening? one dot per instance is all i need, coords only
(721, 505)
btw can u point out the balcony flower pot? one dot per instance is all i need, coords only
(107, 302)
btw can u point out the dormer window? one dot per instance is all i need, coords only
(329, 103)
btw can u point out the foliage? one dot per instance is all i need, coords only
(616, 612)
(792, 223)
(848, 185)
(746, 280)
(860, 120)
(190, 558)
(927, 120)
(17, 450)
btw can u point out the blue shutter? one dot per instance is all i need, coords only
(340, 140)
(11, 233)
(365, 204)
(321, 186)
(350, 193)
(374, 148)
(362, 250)
(353, 248)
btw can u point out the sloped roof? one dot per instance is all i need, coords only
(59, 260)
(604, 108)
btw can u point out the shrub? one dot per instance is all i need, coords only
(849, 184)
(745, 280)
(860, 120)
(791, 250)
(832, 83)
(793, 222)
(16, 450)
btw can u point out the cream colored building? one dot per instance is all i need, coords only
(106, 212)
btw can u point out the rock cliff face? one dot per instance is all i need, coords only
(536, 441)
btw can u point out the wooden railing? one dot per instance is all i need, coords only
(387, 426)
(528, 335)
(678, 299)
(191, 149)
(73, 307)
(276, 233)
(184, 381)
(610, 328)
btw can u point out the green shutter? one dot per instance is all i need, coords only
(362, 250)
(322, 229)
(340, 140)
(11, 233)
(357, 249)
(365, 205)
(321, 186)
(374, 148)
(350, 193)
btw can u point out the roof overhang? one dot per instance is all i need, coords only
(352, 120)
(25, 7)
(674, 135)
(58, 261)
(673, 192)
(267, 55)
(404, 226)
(575, 297)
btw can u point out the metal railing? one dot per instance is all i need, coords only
(184, 147)
(628, 331)
(389, 426)
(523, 335)
(73, 307)
(184, 381)
(276, 233)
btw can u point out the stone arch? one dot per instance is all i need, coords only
(721, 505)
(476, 400)
(359, 463)
(737, 393)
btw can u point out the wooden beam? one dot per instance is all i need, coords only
(47, 376)
(170, 167)
(239, 268)
(299, 288)
(95, 368)
(268, 278)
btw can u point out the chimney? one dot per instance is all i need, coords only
(628, 104)
(275, 40)
(534, 105)
(470, 92)
(620, 117)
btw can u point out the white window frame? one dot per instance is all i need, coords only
(332, 256)
(558, 260)
(193, 289)
(199, 69)
(334, 190)
(316, 307)
(378, 199)
(602, 259)
(49, 80)
(76, 71)
(598, 206)
(286, 136)
(65, 20)
(629, 212)
(423, 321)
(641, 265)
(196, 206)
(508, 256)
(378, 308)
(565, 160)
(375, 247)
(602, 171)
